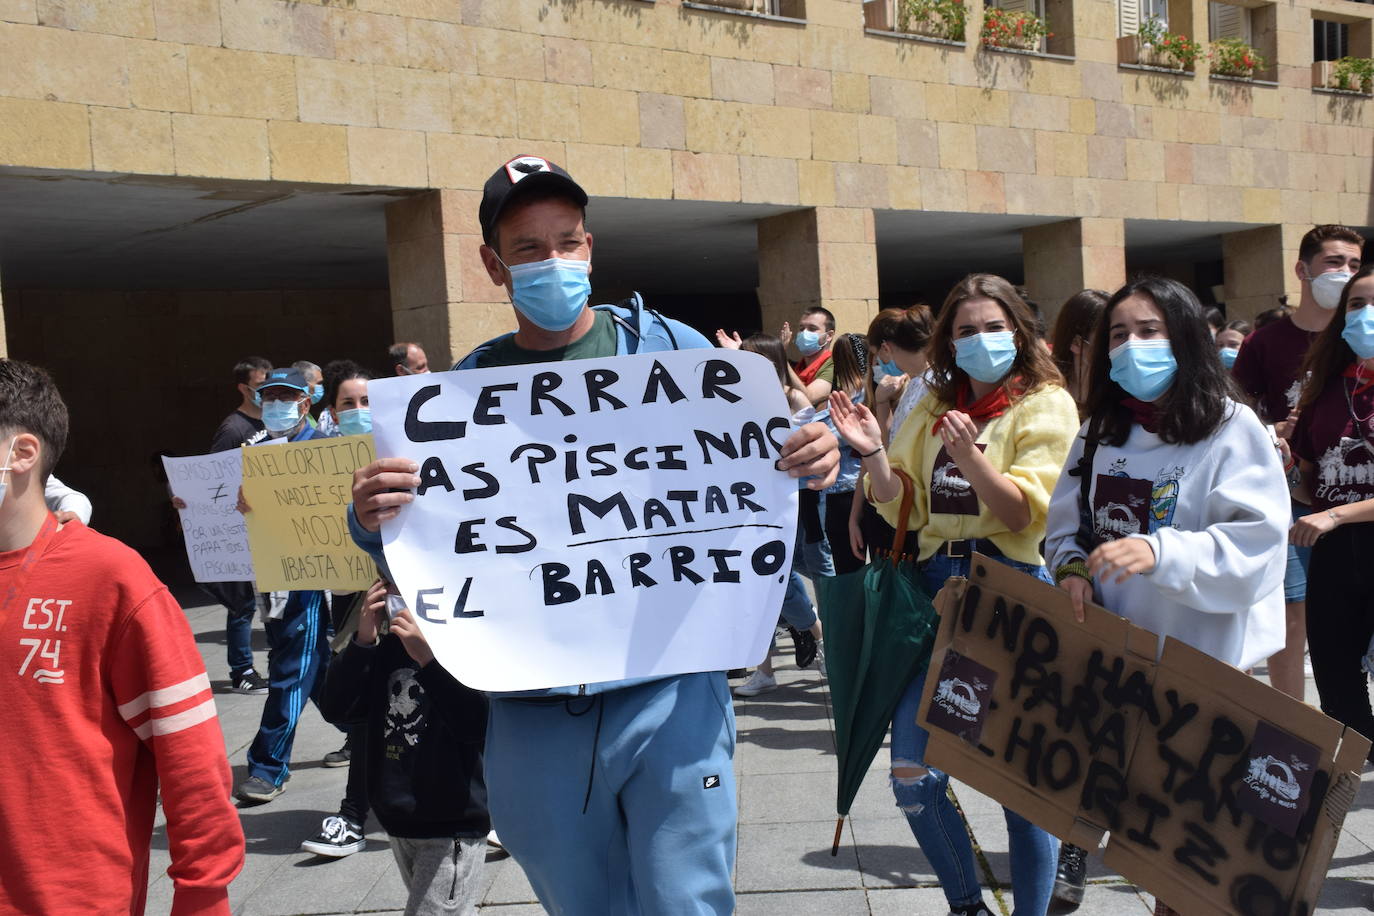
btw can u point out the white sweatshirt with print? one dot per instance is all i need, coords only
(1216, 514)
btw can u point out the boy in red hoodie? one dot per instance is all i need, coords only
(106, 702)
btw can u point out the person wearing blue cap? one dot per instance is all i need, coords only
(298, 647)
(616, 797)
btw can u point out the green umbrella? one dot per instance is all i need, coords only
(879, 629)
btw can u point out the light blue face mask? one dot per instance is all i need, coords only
(316, 394)
(551, 293)
(1359, 331)
(1228, 356)
(355, 422)
(884, 368)
(280, 416)
(1145, 368)
(808, 342)
(986, 357)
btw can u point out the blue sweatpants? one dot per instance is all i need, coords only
(621, 803)
(298, 651)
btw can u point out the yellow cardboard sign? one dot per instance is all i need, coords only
(298, 495)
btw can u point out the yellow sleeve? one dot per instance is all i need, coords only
(906, 452)
(1047, 422)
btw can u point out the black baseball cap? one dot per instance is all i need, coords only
(521, 176)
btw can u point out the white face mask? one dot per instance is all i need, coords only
(1327, 287)
(4, 472)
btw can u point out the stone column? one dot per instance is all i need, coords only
(441, 296)
(823, 257)
(1061, 259)
(1257, 267)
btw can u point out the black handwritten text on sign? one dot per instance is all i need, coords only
(591, 520)
(1205, 800)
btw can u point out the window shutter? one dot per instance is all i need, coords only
(1017, 6)
(1227, 21)
(1128, 17)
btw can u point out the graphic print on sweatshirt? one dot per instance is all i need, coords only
(1125, 505)
(41, 644)
(950, 493)
(1345, 473)
(406, 710)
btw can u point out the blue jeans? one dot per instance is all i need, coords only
(933, 819)
(1299, 558)
(241, 600)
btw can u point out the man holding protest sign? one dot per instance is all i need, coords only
(649, 824)
(297, 648)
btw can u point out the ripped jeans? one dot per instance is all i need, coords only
(933, 818)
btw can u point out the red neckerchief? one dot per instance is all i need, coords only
(1143, 413)
(807, 371)
(993, 404)
(1362, 384)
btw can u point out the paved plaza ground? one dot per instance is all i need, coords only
(785, 766)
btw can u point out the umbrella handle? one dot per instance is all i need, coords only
(903, 516)
(839, 828)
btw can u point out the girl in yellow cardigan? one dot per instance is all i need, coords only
(984, 450)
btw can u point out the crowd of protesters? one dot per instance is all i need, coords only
(1208, 479)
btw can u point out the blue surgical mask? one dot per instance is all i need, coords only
(551, 293)
(257, 399)
(355, 422)
(986, 357)
(808, 342)
(1359, 331)
(316, 394)
(280, 416)
(1228, 356)
(1145, 368)
(885, 368)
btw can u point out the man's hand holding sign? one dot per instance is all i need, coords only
(572, 523)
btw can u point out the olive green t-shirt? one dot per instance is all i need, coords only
(598, 342)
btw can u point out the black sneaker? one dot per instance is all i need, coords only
(338, 837)
(257, 790)
(803, 646)
(339, 758)
(1072, 874)
(972, 909)
(248, 681)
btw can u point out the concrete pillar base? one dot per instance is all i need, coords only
(1258, 268)
(824, 257)
(1063, 258)
(441, 296)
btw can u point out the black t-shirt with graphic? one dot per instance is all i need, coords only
(237, 429)
(1338, 444)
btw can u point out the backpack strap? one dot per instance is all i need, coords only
(1085, 536)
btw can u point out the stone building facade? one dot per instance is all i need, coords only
(184, 182)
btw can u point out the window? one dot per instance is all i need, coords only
(1131, 13)
(1227, 21)
(1058, 14)
(792, 9)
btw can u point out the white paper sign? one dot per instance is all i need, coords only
(592, 520)
(216, 537)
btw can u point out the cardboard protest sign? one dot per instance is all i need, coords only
(216, 537)
(592, 520)
(298, 494)
(1220, 794)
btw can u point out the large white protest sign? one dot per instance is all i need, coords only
(592, 520)
(216, 537)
